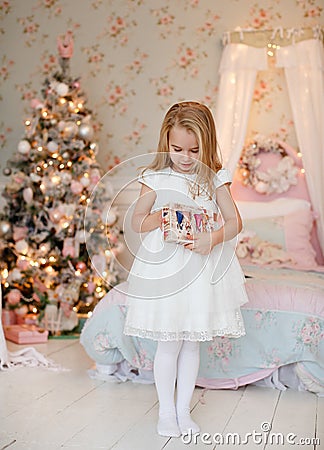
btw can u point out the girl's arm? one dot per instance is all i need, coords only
(231, 216)
(143, 220)
(204, 242)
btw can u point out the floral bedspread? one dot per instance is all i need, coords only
(284, 322)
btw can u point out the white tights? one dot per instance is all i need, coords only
(176, 361)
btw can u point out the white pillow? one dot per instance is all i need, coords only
(278, 207)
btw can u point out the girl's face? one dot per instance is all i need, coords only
(184, 149)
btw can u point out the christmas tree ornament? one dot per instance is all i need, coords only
(22, 247)
(76, 187)
(68, 248)
(52, 146)
(19, 233)
(5, 227)
(86, 131)
(24, 147)
(85, 180)
(109, 217)
(61, 125)
(7, 171)
(81, 266)
(70, 130)
(62, 89)
(36, 104)
(28, 195)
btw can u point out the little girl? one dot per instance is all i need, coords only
(181, 294)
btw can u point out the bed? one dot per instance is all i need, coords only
(284, 319)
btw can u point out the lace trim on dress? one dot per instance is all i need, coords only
(159, 335)
(184, 335)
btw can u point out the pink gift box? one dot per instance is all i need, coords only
(25, 334)
(8, 317)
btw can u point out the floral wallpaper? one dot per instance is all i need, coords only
(135, 58)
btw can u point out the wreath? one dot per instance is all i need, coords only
(276, 179)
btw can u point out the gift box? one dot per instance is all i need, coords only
(8, 317)
(181, 222)
(25, 334)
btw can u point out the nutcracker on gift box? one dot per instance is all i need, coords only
(44, 241)
(181, 222)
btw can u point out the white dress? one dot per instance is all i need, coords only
(175, 293)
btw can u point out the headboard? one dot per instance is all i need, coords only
(241, 192)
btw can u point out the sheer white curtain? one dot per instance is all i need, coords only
(238, 69)
(303, 64)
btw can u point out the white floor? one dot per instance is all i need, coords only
(46, 410)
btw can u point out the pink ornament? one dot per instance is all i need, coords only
(22, 264)
(36, 104)
(55, 215)
(13, 297)
(28, 195)
(38, 284)
(68, 248)
(19, 233)
(76, 187)
(91, 287)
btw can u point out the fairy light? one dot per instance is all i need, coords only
(40, 148)
(56, 179)
(45, 165)
(302, 171)
(27, 123)
(34, 310)
(299, 154)
(55, 155)
(62, 101)
(52, 259)
(271, 48)
(38, 169)
(69, 163)
(49, 269)
(5, 273)
(6, 284)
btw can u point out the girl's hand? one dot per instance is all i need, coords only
(202, 243)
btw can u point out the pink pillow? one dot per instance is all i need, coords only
(297, 227)
(291, 232)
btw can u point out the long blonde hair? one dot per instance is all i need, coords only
(196, 118)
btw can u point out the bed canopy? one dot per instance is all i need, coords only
(300, 53)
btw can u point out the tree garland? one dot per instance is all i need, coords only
(276, 179)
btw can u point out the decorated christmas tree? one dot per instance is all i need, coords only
(55, 265)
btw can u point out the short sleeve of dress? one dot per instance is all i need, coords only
(148, 178)
(222, 177)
